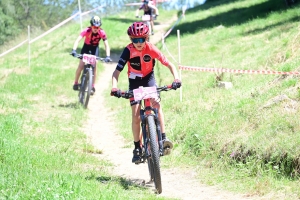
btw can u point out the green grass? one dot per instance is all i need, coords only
(244, 139)
(240, 133)
(44, 153)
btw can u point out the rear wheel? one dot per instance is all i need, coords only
(153, 159)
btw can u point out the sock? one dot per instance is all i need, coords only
(93, 85)
(163, 136)
(75, 82)
(137, 145)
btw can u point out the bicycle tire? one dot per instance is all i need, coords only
(150, 167)
(81, 94)
(88, 88)
(153, 160)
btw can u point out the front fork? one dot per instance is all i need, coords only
(144, 129)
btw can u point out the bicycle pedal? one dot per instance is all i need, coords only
(138, 162)
(167, 151)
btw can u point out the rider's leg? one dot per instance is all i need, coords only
(167, 143)
(97, 53)
(160, 115)
(95, 74)
(152, 25)
(136, 122)
(136, 130)
(78, 71)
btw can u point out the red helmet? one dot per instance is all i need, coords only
(138, 29)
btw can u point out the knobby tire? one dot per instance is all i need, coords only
(83, 84)
(88, 87)
(153, 160)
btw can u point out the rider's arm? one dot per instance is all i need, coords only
(173, 70)
(161, 57)
(153, 7)
(115, 77)
(120, 66)
(77, 42)
(137, 12)
(123, 59)
(107, 48)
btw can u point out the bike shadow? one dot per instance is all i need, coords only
(126, 183)
(74, 105)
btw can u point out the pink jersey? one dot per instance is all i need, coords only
(91, 38)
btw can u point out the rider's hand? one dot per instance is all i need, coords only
(136, 16)
(73, 53)
(115, 92)
(107, 59)
(176, 84)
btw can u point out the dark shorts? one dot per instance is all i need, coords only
(89, 49)
(147, 81)
(149, 12)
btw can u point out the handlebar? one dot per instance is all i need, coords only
(129, 93)
(153, 16)
(79, 56)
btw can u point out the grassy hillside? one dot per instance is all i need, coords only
(245, 138)
(250, 132)
(44, 152)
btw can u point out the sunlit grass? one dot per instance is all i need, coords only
(44, 153)
(244, 138)
(249, 132)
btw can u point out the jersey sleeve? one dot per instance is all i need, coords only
(103, 34)
(159, 56)
(83, 33)
(123, 59)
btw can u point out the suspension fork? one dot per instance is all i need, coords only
(144, 131)
(158, 131)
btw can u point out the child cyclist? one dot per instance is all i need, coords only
(93, 34)
(149, 9)
(140, 57)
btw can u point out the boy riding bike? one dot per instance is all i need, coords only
(93, 34)
(140, 57)
(149, 9)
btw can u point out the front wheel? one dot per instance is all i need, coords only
(85, 88)
(88, 87)
(153, 159)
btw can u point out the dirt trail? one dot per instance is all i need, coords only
(101, 131)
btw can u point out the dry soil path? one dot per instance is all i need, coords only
(177, 183)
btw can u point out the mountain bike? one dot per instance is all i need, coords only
(146, 19)
(152, 142)
(86, 79)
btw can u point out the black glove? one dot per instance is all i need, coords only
(107, 59)
(115, 92)
(136, 16)
(176, 84)
(74, 53)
